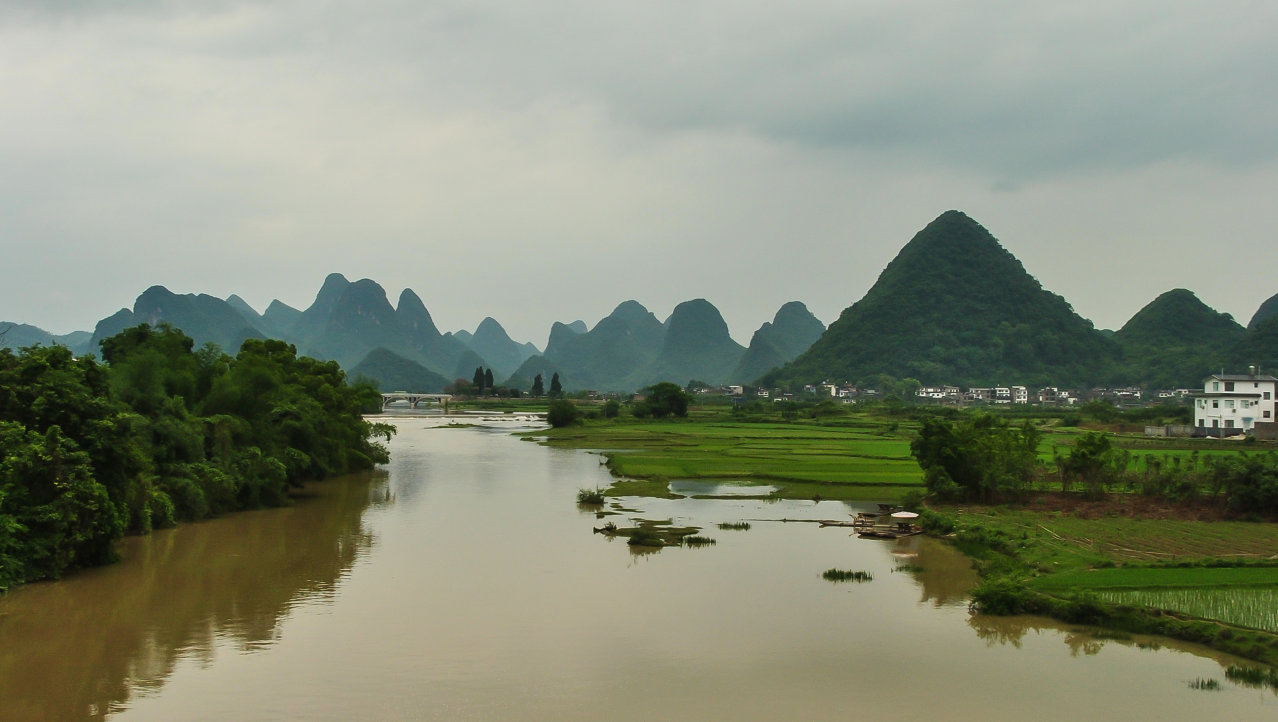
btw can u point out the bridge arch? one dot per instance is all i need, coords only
(415, 398)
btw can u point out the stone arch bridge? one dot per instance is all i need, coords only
(414, 399)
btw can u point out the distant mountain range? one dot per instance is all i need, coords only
(953, 307)
(400, 347)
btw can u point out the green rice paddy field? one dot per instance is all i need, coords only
(1177, 565)
(1254, 608)
(863, 459)
(853, 457)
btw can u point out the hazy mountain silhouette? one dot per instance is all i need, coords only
(612, 356)
(392, 372)
(791, 331)
(204, 318)
(20, 335)
(696, 346)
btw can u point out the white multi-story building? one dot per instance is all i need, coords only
(1234, 403)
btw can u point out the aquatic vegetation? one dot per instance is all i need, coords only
(1253, 677)
(1210, 685)
(843, 575)
(735, 525)
(642, 537)
(698, 541)
(590, 496)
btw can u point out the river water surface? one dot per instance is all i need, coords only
(462, 582)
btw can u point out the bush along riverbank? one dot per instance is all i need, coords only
(160, 434)
(1019, 557)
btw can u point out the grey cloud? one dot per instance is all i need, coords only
(602, 139)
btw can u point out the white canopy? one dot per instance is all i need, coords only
(904, 515)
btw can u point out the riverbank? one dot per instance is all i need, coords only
(1107, 571)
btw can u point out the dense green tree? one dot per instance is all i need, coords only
(538, 388)
(556, 389)
(488, 380)
(662, 400)
(53, 514)
(562, 412)
(161, 434)
(478, 379)
(1250, 483)
(1094, 462)
(976, 458)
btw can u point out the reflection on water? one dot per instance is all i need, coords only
(945, 576)
(688, 487)
(1082, 641)
(81, 647)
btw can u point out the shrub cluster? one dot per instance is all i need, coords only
(160, 434)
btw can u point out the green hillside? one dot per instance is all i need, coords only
(1174, 341)
(955, 307)
(1268, 309)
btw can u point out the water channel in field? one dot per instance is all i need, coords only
(463, 582)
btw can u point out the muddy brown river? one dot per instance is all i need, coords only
(462, 582)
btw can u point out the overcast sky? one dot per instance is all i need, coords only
(545, 161)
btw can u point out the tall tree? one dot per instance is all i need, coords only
(538, 388)
(488, 380)
(478, 380)
(555, 389)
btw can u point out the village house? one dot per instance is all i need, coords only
(1049, 395)
(979, 394)
(1232, 404)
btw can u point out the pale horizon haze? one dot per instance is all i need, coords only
(542, 162)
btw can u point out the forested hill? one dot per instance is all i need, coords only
(1268, 309)
(955, 307)
(160, 434)
(1174, 340)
